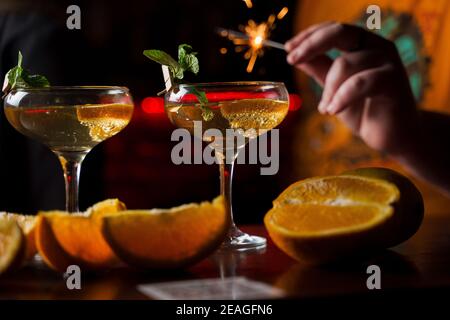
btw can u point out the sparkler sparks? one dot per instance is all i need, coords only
(282, 13)
(248, 3)
(254, 37)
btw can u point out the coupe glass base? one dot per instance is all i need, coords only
(241, 241)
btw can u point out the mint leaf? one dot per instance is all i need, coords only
(13, 75)
(207, 113)
(201, 95)
(19, 59)
(35, 80)
(187, 61)
(187, 58)
(18, 77)
(163, 58)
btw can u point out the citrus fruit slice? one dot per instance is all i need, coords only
(12, 245)
(339, 190)
(63, 239)
(409, 209)
(167, 238)
(323, 219)
(28, 225)
(48, 247)
(107, 206)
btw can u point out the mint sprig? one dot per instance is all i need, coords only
(165, 59)
(188, 59)
(18, 77)
(187, 62)
(207, 113)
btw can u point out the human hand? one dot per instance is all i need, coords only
(366, 86)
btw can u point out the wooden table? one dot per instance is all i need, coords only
(423, 262)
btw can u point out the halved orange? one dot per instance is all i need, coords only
(28, 225)
(408, 210)
(319, 220)
(63, 239)
(167, 238)
(338, 190)
(12, 245)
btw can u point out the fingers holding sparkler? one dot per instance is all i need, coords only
(317, 68)
(295, 41)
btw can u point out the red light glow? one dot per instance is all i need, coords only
(153, 105)
(295, 102)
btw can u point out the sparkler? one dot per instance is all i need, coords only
(248, 3)
(231, 34)
(254, 37)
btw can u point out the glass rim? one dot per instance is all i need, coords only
(231, 84)
(70, 88)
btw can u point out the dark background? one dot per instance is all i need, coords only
(135, 165)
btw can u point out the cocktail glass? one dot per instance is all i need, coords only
(250, 108)
(70, 121)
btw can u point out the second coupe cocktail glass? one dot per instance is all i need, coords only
(252, 107)
(70, 121)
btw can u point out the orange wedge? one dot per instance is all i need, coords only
(48, 247)
(323, 219)
(167, 238)
(63, 239)
(12, 245)
(28, 225)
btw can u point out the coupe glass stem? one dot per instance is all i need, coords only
(236, 239)
(71, 164)
(226, 178)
